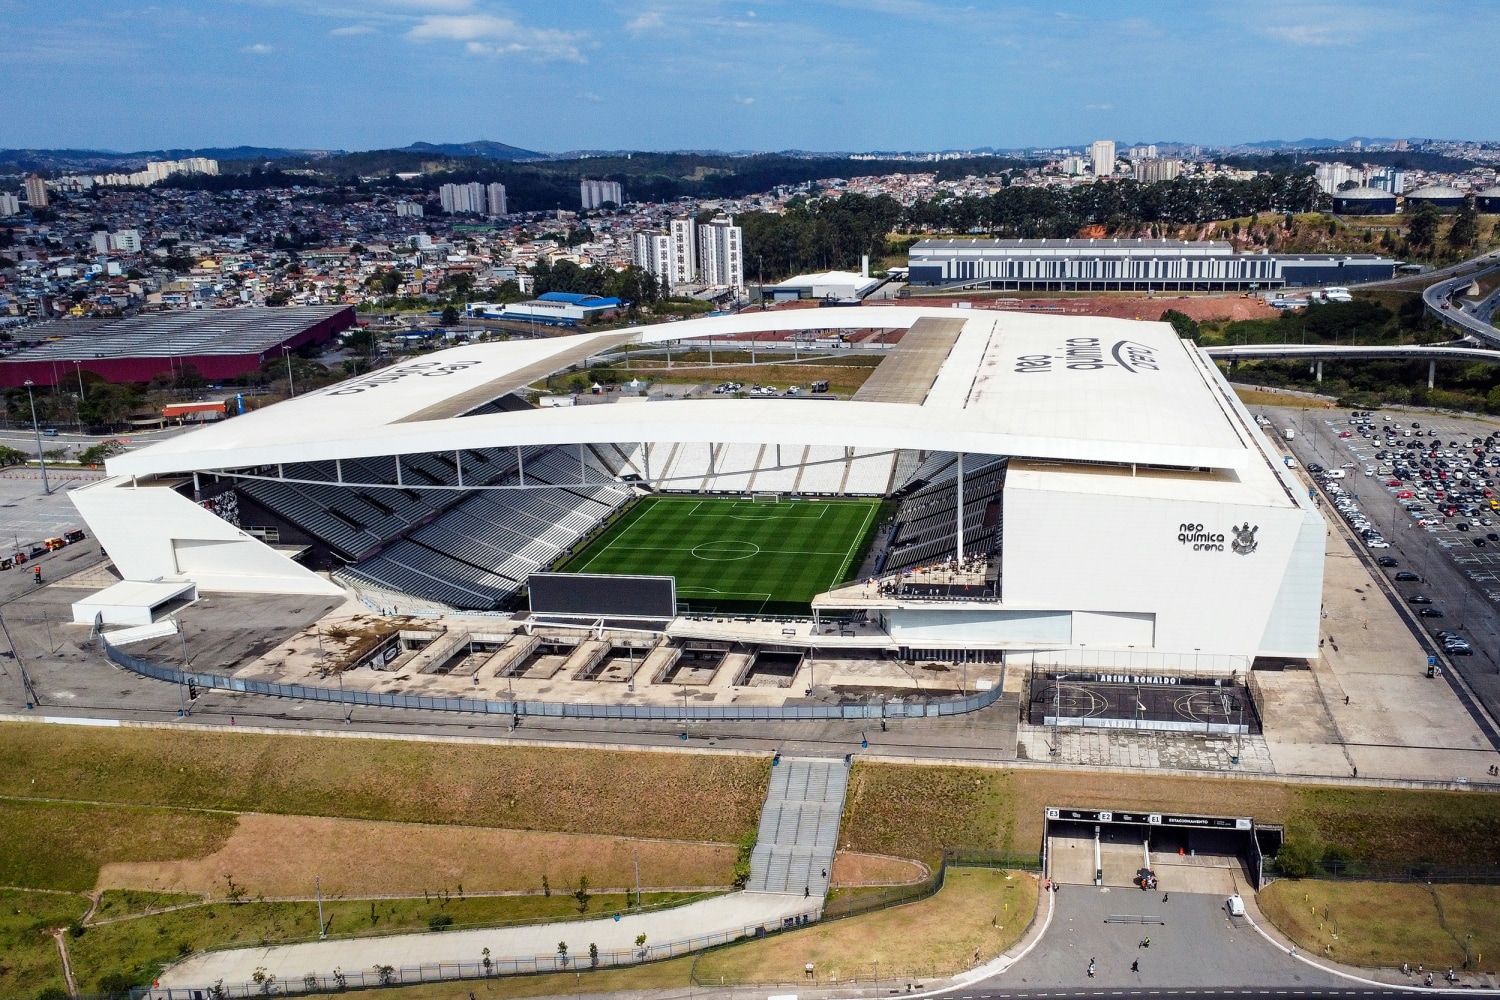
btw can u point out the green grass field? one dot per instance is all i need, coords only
(735, 555)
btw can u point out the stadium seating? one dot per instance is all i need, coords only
(925, 520)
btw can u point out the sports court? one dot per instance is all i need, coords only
(766, 555)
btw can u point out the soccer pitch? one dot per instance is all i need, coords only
(737, 555)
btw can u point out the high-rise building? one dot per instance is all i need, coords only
(36, 192)
(461, 199)
(1102, 155)
(100, 240)
(1153, 169)
(409, 209)
(684, 263)
(720, 254)
(653, 252)
(1072, 165)
(593, 194)
(9, 203)
(495, 195)
(126, 241)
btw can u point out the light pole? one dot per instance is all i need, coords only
(78, 367)
(37, 430)
(291, 387)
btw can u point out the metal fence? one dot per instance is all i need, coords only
(884, 709)
(484, 967)
(1386, 871)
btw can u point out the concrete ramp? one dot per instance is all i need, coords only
(799, 827)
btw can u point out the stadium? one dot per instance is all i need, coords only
(1073, 490)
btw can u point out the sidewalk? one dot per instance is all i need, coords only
(291, 962)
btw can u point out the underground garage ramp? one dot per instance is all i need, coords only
(1185, 853)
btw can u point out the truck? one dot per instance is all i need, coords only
(1290, 433)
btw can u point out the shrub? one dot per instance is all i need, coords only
(439, 921)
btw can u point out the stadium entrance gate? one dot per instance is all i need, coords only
(1181, 852)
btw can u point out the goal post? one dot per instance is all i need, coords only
(765, 498)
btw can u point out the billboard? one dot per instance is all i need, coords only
(603, 595)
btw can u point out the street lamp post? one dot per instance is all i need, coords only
(291, 387)
(37, 430)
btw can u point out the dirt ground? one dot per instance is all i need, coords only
(852, 869)
(280, 855)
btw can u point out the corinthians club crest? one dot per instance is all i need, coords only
(1244, 538)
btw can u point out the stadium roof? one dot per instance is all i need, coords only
(1087, 389)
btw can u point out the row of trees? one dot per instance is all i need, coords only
(831, 232)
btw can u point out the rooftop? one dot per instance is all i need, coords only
(184, 333)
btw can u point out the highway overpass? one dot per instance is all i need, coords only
(1431, 353)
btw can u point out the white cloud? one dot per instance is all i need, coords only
(258, 49)
(1098, 107)
(649, 21)
(591, 97)
(487, 34)
(1309, 34)
(744, 100)
(353, 29)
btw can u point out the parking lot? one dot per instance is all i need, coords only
(1430, 534)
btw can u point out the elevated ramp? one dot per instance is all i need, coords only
(908, 372)
(799, 827)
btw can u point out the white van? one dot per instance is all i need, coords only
(1335, 473)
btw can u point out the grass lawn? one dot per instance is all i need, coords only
(916, 811)
(1382, 924)
(116, 903)
(523, 788)
(1260, 397)
(978, 911)
(140, 946)
(28, 955)
(58, 845)
(735, 555)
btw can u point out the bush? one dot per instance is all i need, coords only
(115, 984)
(439, 921)
(1296, 859)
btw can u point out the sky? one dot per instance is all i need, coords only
(845, 75)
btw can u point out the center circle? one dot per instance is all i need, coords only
(727, 550)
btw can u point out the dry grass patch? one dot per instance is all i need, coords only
(1261, 397)
(1382, 924)
(851, 869)
(59, 845)
(912, 811)
(975, 916)
(673, 974)
(280, 855)
(671, 796)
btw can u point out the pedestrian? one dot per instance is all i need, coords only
(1356, 772)
(1091, 968)
(1405, 968)
(1165, 896)
(1429, 979)
(231, 720)
(1135, 966)
(1146, 943)
(1346, 699)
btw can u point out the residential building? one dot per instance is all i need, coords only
(409, 209)
(495, 195)
(461, 199)
(720, 254)
(1153, 169)
(1102, 156)
(653, 252)
(1073, 166)
(684, 264)
(595, 193)
(36, 192)
(9, 203)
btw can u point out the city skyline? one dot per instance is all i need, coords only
(831, 75)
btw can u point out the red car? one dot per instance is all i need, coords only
(1404, 495)
(1345, 434)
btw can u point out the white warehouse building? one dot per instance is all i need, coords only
(1111, 499)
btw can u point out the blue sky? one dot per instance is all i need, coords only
(752, 74)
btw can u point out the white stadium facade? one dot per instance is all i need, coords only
(1114, 500)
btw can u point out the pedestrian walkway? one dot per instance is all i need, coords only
(533, 947)
(799, 827)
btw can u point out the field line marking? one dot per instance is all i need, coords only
(849, 554)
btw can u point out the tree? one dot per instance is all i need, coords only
(1423, 227)
(562, 952)
(581, 894)
(450, 316)
(1185, 325)
(593, 955)
(1464, 232)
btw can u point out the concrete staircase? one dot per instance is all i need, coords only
(799, 827)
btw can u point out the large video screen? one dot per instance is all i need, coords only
(603, 595)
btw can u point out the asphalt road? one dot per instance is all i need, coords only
(1462, 579)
